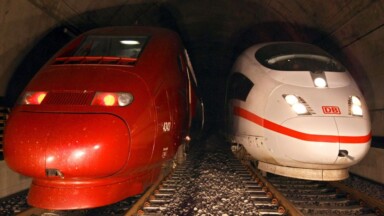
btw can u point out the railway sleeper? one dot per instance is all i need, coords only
(287, 180)
(326, 202)
(253, 187)
(251, 184)
(308, 190)
(154, 208)
(347, 210)
(265, 204)
(255, 191)
(269, 212)
(313, 196)
(171, 182)
(242, 172)
(260, 197)
(159, 201)
(167, 189)
(163, 195)
(246, 178)
(298, 185)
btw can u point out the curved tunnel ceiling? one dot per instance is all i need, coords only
(215, 32)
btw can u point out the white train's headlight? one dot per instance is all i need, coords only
(291, 99)
(355, 106)
(355, 100)
(299, 108)
(298, 105)
(320, 82)
(319, 79)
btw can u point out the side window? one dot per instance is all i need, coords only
(239, 87)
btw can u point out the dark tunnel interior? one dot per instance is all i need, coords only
(212, 40)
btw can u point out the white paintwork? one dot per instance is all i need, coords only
(286, 155)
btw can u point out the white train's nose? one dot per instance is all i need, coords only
(325, 140)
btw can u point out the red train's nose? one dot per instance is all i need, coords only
(44, 145)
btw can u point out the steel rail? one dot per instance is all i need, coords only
(288, 205)
(137, 207)
(362, 197)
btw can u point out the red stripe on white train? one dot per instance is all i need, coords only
(297, 134)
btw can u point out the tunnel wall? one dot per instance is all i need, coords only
(371, 166)
(22, 24)
(11, 182)
(353, 28)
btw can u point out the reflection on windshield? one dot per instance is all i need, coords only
(113, 46)
(297, 57)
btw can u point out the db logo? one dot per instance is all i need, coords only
(331, 110)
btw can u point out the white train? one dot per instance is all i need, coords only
(297, 111)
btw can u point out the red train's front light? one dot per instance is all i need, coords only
(112, 99)
(32, 98)
(109, 100)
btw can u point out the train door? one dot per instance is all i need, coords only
(161, 149)
(171, 106)
(182, 106)
(195, 102)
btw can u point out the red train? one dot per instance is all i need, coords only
(98, 122)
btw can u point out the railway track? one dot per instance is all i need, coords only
(158, 199)
(261, 194)
(214, 182)
(305, 197)
(325, 198)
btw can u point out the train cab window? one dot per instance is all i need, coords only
(114, 46)
(239, 87)
(297, 57)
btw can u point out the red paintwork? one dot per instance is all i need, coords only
(105, 154)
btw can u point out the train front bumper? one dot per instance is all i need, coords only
(323, 141)
(66, 145)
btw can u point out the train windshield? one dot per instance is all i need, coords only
(297, 57)
(111, 46)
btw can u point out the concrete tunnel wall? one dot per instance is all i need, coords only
(214, 32)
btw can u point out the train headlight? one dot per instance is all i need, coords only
(33, 98)
(124, 99)
(356, 110)
(112, 99)
(298, 105)
(355, 106)
(109, 100)
(299, 108)
(291, 99)
(355, 100)
(320, 82)
(319, 79)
